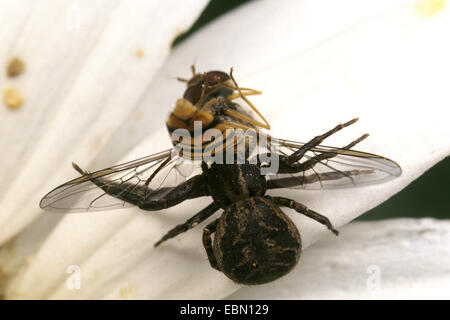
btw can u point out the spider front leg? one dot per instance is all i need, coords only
(207, 243)
(147, 199)
(190, 223)
(286, 166)
(300, 208)
(297, 155)
(288, 182)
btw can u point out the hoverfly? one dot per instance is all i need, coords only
(254, 242)
(209, 102)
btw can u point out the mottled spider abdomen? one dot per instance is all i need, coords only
(255, 242)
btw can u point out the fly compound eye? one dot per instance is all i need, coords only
(194, 89)
(215, 77)
(193, 94)
(195, 85)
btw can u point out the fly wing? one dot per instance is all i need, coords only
(129, 180)
(325, 167)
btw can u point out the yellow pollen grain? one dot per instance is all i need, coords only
(15, 67)
(2, 273)
(428, 8)
(139, 53)
(12, 98)
(127, 292)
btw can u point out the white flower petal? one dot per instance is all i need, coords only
(303, 77)
(87, 64)
(77, 81)
(389, 259)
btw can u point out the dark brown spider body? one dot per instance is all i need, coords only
(228, 184)
(255, 242)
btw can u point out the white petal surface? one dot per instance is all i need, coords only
(389, 259)
(81, 82)
(319, 64)
(87, 64)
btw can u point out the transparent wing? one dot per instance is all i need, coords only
(325, 167)
(86, 193)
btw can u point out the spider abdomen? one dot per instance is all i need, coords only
(255, 242)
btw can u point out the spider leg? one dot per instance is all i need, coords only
(207, 243)
(162, 165)
(300, 208)
(190, 223)
(297, 155)
(288, 182)
(288, 167)
(192, 188)
(147, 199)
